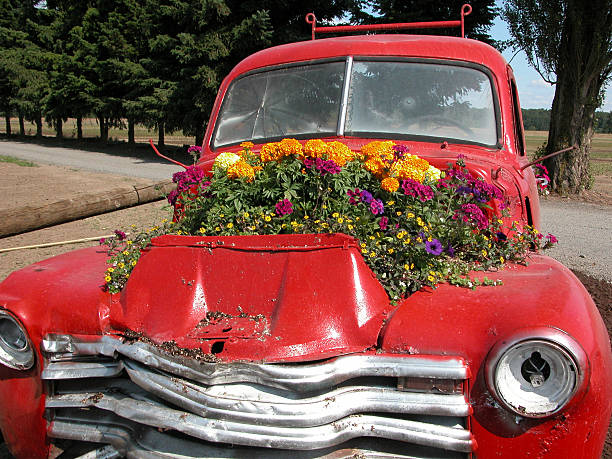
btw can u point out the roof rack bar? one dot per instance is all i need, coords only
(465, 10)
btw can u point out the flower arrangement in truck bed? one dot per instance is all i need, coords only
(416, 225)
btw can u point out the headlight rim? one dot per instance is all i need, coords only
(547, 335)
(16, 359)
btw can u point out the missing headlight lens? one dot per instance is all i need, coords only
(536, 377)
(15, 349)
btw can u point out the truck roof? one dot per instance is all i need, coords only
(396, 45)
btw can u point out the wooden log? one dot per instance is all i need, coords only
(27, 218)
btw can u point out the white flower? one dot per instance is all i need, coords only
(225, 160)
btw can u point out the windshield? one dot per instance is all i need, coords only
(399, 99)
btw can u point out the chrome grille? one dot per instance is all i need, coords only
(139, 400)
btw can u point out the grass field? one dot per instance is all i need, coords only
(601, 150)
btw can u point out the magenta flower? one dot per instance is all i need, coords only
(327, 167)
(473, 214)
(120, 235)
(377, 207)
(283, 208)
(552, 239)
(417, 190)
(384, 221)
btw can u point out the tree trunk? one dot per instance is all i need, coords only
(103, 129)
(131, 137)
(579, 84)
(79, 123)
(59, 128)
(161, 135)
(7, 119)
(21, 125)
(39, 127)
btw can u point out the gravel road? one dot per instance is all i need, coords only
(583, 229)
(153, 168)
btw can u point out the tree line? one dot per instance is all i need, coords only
(538, 119)
(159, 62)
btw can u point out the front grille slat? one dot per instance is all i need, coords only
(307, 438)
(316, 407)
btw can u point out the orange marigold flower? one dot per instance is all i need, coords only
(390, 184)
(375, 166)
(270, 152)
(339, 153)
(378, 148)
(248, 145)
(315, 148)
(290, 147)
(241, 169)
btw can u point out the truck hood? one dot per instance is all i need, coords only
(281, 297)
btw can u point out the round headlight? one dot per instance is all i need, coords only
(537, 376)
(15, 349)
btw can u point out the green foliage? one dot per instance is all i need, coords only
(18, 161)
(477, 23)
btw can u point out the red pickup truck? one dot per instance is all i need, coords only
(287, 345)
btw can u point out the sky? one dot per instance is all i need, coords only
(534, 92)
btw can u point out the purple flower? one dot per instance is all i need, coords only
(399, 151)
(172, 196)
(120, 235)
(366, 196)
(450, 250)
(434, 247)
(377, 207)
(384, 221)
(283, 208)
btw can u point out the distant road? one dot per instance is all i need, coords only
(154, 169)
(583, 230)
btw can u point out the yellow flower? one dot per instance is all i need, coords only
(364, 251)
(306, 217)
(484, 253)
(391, 250)
(110, 270)
(133, 263)
(121, 265)
(340, 220)
(502, 259)
(335, 215)
(372, 254)
(129, 242)
(125, 252)
(407, 267)
(107, 278)
(409, 215)
(500, 221)
(217, 228)
(230, 225)
(431, 278)
(398, 213)
(246, 215)
(350, 227)
(267, 218)
(390, 203)
(225, 160)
